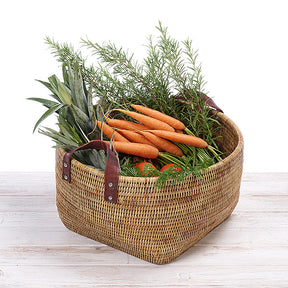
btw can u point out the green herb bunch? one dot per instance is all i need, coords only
(168, 80)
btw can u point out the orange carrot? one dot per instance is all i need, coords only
(147, 120)
(136, 149)
(179, 131)
(181, 138)
(175, 123)
(162, 143)
(135, 137)
(124, 124)
(108, 131)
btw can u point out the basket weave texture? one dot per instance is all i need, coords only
(156, 225)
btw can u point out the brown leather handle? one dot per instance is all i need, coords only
(111, 174)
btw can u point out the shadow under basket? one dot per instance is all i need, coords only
(156, 225)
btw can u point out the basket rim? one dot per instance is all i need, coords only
(139, 180)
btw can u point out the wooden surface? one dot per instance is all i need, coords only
(250, 249)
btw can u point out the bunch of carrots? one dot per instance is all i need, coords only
(154, 132)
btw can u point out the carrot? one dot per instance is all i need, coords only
(179, 131)
(136, 149)
(147, 120)
(175, 123)
(135, 137)
(181, 138)
(124, 124)
(162, 143)
(108, 131)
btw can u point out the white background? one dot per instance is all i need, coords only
(243, 48)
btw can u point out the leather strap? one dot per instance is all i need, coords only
(111, 174)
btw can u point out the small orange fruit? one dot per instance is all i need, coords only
(145, 166)
(167, 166)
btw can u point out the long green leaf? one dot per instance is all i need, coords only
(60, 138)
(70, 75)
(82, 133)
(102, 159)
(60, 90)
(66, 133)
(47, 103)
(50, 87)
(81, 118)
(46, 84)
(91, 111)
(65, 93)
(65, 74)
(93, 156)
(68, 130)
(80, 96)
(50, 111)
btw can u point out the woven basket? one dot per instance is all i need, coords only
(156, 225)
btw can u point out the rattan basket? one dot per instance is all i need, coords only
(156, 225)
